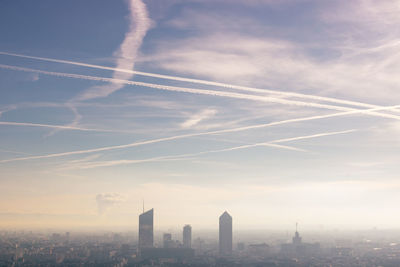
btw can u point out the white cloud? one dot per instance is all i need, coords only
(360, 67)
(35, 77)
(243, 60)
(127, 52)
(368, 14)
(195, 119)
(107, 200)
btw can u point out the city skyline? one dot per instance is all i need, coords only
(278, 111)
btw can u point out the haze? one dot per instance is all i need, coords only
(276, 111)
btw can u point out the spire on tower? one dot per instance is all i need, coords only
(296, 239)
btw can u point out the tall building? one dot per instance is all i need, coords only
(296, 239)
(187, 236)
(225, 234)
(298, 248)
(167, 240)
(146, 229)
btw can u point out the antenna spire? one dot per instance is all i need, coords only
(296, 226)
(143, 205)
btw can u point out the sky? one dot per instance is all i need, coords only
(277, 111)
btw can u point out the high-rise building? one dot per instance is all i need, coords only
(146, 229)
(167, 240)
(296, 239)
(298, 248)
(225, 234)
(187, 236)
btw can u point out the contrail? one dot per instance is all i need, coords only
(199, 91)
(198, 81)
(127, 52)
(62, 127)
(126, 57)
(74, 123)
(153, 141)
(13, 152)
(272, 143)
(287, 147)
(89, 165)
(52, 126)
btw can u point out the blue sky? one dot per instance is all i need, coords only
(292, 111)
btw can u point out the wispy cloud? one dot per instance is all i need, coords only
(127, 52)
(285, 147)
(125, 59)
(198, 117)
(369, 15)
(35, 77)
(107, 200)
(274, 61)
(7, 109)
(74, 123)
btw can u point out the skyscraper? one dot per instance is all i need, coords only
(187, 236)
(225, 234)
(296, 239)
(146, 229)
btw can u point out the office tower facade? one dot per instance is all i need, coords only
(146, 236)
(187, 236)
(225, 234)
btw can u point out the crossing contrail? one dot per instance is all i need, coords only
(198, 81)
(95, 164)
(159, 140)
(199, 91)
(273, 143)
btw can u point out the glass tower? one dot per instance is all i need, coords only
(146, 229)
